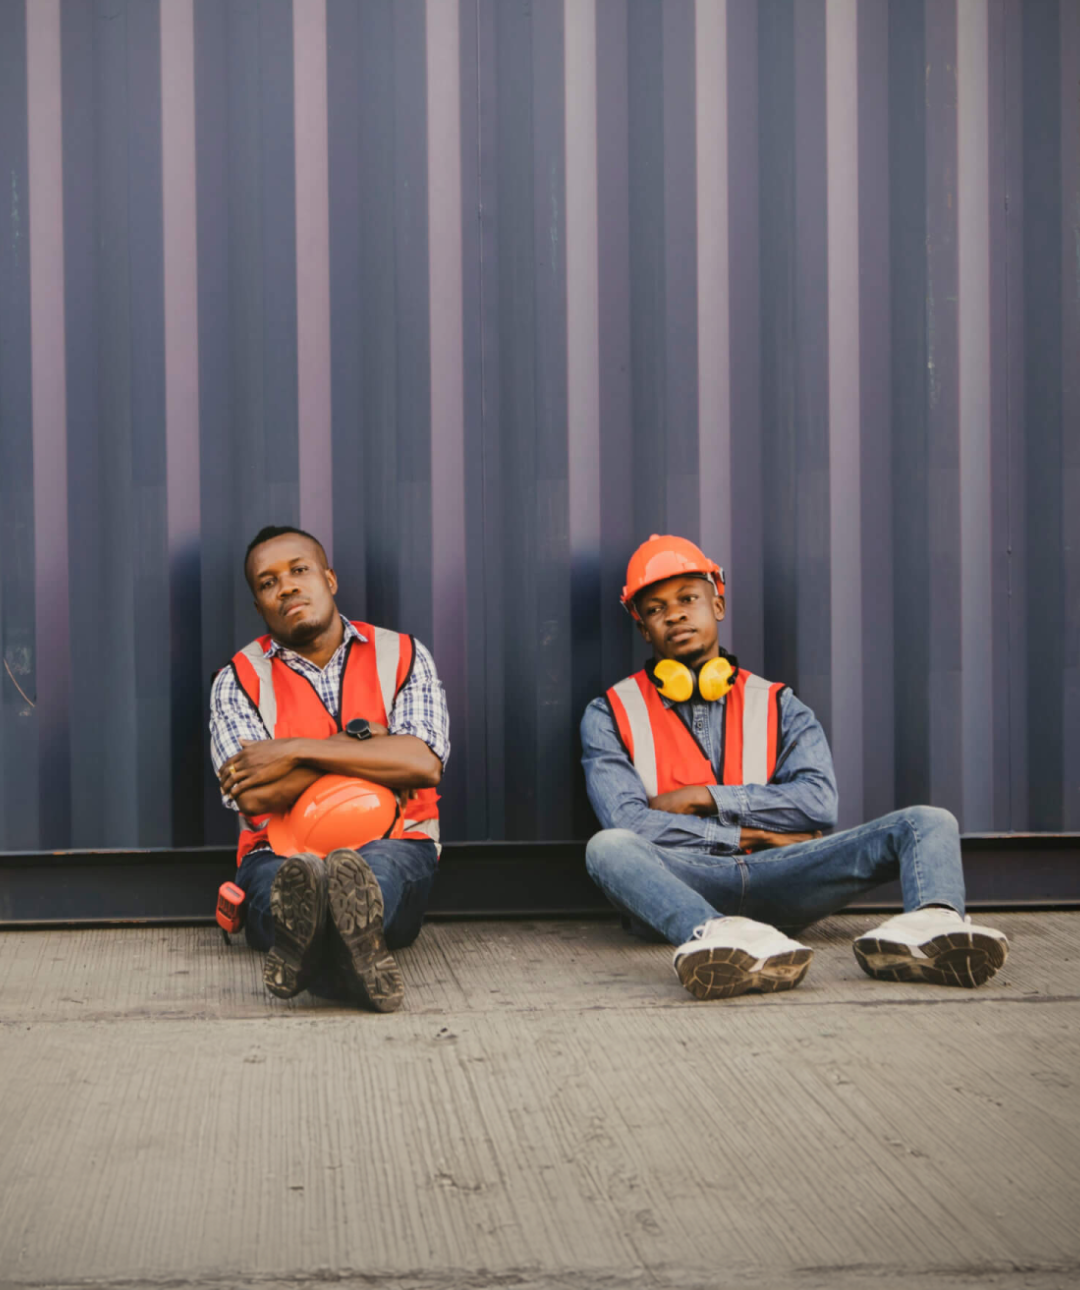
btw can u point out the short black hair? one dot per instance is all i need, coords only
(279, 530)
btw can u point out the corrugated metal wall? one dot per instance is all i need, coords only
(483, 293)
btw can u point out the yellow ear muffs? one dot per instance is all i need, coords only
(677, 682)
(673, 679)
(715, 679)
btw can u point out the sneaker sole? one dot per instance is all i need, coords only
(723, 973)
(965, 959)
(298, 908)
(356, 933)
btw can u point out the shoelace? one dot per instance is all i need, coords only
(699, 933)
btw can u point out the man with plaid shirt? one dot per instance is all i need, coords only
(327, 925)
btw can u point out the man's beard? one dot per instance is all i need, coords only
(302, 634)
(695, 658)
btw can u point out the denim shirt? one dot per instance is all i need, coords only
(800, 798)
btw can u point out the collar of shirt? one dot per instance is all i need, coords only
(275, 649)
(689, 704)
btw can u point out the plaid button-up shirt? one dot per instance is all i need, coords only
(420, 708)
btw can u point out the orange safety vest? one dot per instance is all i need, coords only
(667, 756)
(374, 674)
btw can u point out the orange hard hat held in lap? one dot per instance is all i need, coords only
(666, 556)
(336, 811)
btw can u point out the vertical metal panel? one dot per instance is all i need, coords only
(478, 765)
(183, 455)
(976, 531)
(618, 528)
(582, 360)
(1007, 411)
(313, 269)
(745, 563)
(942, 695)
(21, 316)
(1044, 442)
(1070, 412)
(844, 474)
(47, 808)
(483, 293)
(450, 584)
(875, 505)
(714, 276)
(346, 351)
(910, 396)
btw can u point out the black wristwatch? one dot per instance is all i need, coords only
(358, 728)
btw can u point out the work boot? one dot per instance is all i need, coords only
(355, 933)
(298, 898)
(729, 956)
(932, 944)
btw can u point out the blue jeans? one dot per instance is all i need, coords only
(672, 890)
(404, 867)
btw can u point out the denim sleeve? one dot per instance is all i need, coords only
(618, 796)
(801, 797)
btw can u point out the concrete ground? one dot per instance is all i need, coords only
(550, 1109)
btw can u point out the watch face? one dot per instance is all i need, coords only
(358, 728)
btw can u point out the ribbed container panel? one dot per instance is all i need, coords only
(484, 292)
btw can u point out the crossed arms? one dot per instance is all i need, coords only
(259, 775)
(725, 819)
(270, 774)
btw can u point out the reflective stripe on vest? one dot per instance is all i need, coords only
(387, 662)
(427, 828)
(373, 675)
(264, 673)
(638, 735)
(666, 755)
(751, 728)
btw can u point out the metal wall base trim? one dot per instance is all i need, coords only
(476, 880)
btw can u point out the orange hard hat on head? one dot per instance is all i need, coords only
(336, 811)
(665, 556)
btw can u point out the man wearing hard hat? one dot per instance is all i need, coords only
(713, 787)
(329, 738)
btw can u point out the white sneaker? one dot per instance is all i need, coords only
(932, 944)
(728, 956)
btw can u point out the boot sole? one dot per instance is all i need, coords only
(965, 959)
(725, 972)
(356, 933)
(298, 907)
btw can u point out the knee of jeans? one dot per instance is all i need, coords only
(604, 849)
(932, 819)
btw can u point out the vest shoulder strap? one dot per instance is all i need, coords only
(254, 671)
(751, 730)
(635, 729)
(393, 660)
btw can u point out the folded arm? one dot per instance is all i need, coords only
(800, 800)
(619, 799)
(269, 775)
(801, 797)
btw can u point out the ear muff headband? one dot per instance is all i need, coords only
(677, 682)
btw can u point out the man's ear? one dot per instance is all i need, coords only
(718, 608)
(331, 581)
(641, 629)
